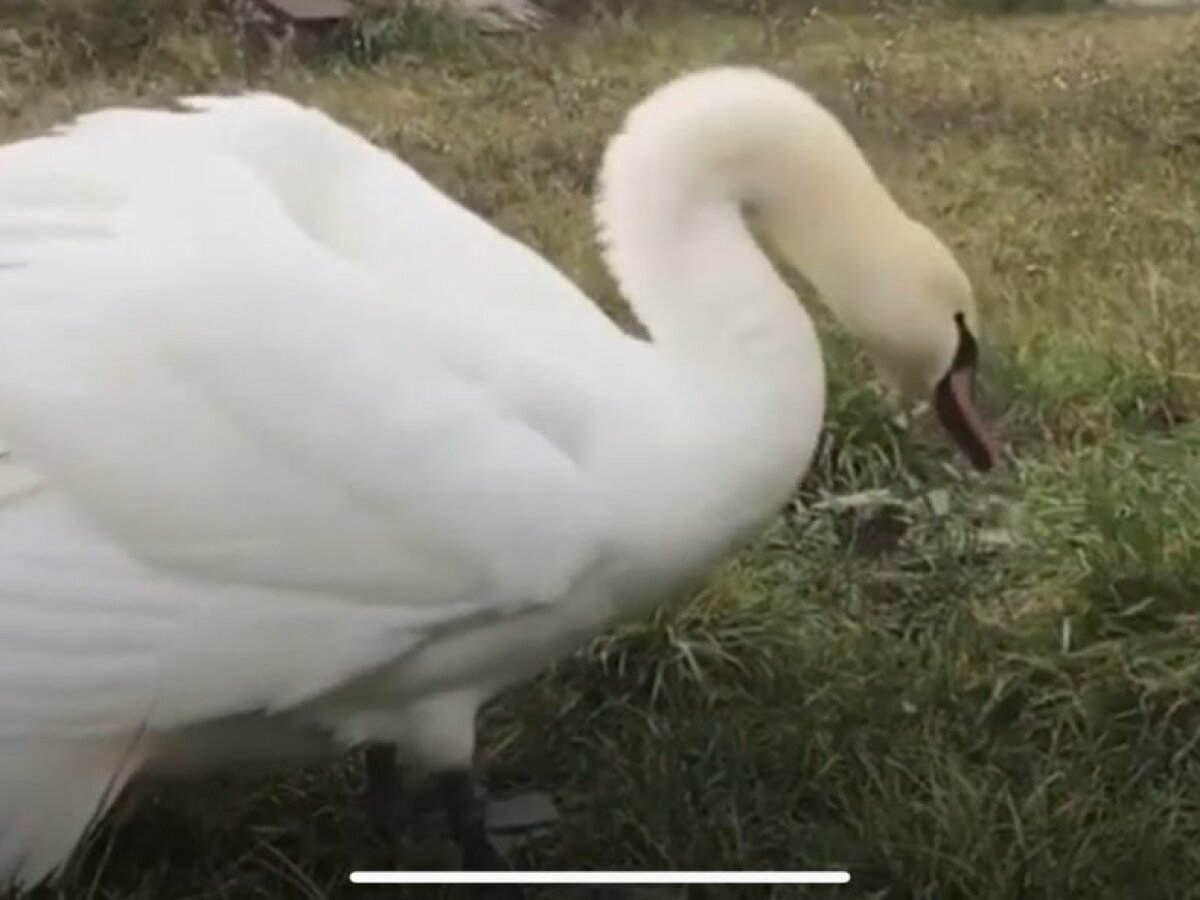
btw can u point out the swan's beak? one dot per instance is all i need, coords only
(954, 402)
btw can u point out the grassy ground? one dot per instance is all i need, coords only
(975, 689)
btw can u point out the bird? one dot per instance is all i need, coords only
(301, 455)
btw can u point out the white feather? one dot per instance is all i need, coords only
(302, 453)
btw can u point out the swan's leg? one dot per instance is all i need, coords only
(465, 812)
(384, 792)
(434, 737)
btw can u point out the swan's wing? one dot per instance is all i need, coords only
(372, 207)
(276, 449)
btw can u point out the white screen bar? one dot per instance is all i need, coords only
(600, 877)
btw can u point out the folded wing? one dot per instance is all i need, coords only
(259, 477)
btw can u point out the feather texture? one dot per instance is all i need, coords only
(298, 452)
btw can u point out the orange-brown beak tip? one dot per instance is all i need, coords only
(954, 402)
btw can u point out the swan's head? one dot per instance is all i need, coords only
(912, 306)
(887, 278)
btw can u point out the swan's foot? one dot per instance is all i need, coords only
(383, 793)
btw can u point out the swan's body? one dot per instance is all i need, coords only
(304, 454)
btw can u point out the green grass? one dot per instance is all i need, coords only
(989, 688)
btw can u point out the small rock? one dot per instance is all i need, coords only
(939, 501)
(860, 500)
(996, 537)
(521, 812)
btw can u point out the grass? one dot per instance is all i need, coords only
(978, 689)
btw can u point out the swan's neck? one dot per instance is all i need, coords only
(707, 293)
(728, 326)
(674, 185)
(723, 319)
(744, 354)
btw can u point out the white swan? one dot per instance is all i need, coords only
(305, 455)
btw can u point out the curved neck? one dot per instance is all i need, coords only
(702, 286)
(744, 365)
(743, 348)
(673, 188)
(704, 289)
